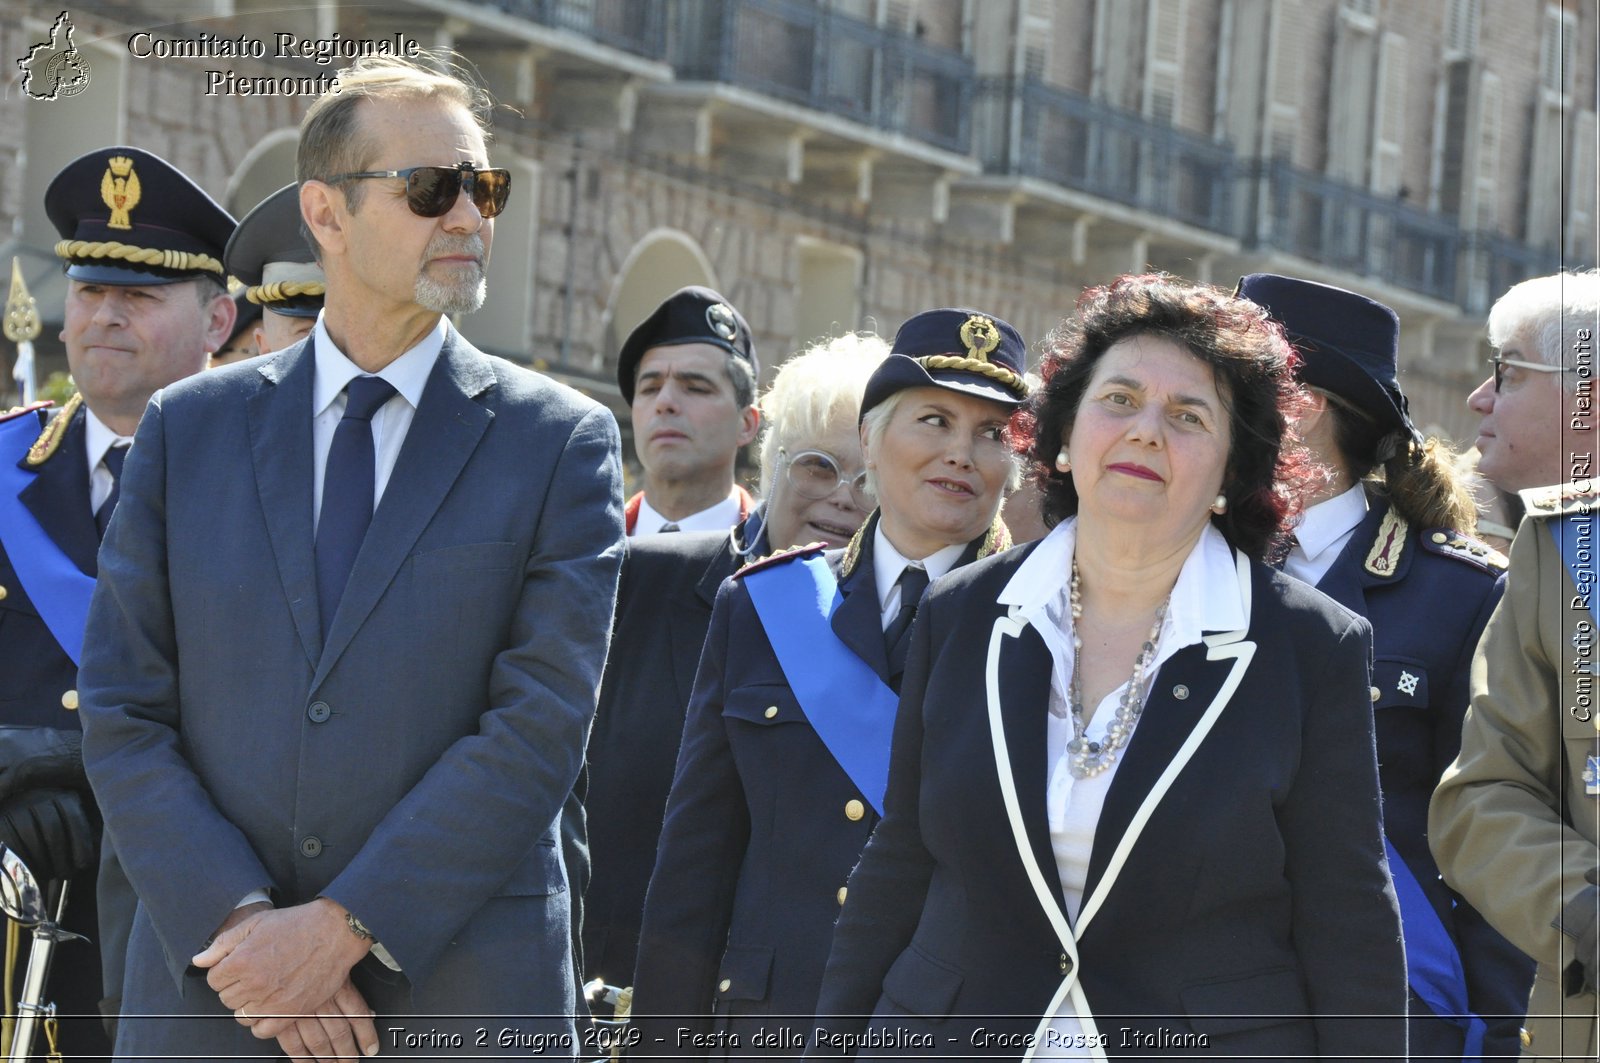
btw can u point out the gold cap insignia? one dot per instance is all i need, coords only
(720, 319)
(119, 190)
(979, 337)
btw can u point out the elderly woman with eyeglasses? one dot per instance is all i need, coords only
(783, 763)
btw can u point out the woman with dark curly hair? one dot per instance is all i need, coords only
(1133, 799)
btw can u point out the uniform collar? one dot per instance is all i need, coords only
(720, 517)
(1327, 524)
(98, 438)
(888, 563)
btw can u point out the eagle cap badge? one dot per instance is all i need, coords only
(119, 191)
(979, 336)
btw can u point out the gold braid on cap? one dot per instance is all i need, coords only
(283, 291)
(49, 440)
(184, 261)
(973, 365)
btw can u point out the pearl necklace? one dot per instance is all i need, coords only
(1086, 759)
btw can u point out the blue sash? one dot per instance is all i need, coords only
(1574, 531)
(849, 706)
(1433, 966)
(57, 588)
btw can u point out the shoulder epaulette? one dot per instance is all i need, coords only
(1383, 559)
(1447, 542)
(1580, 497)
(49, 440)
(18, 411)
(809, 550)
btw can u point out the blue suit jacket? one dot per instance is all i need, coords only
(1253, 907)
(1428, 611)
(410, 761)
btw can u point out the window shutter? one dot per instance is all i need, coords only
(1390, 116)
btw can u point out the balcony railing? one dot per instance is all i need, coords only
(629, 25)
(1494, 263)
(1072, 140)
(1352, 229)
(818, 58)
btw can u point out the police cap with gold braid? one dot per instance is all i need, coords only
(127, 217)
(269, 253)
(961, 350)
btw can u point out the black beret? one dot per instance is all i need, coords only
(1349, 344)
(689, 315)
(269, 253)
(128, 217)
(962, 350)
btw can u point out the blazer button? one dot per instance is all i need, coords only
(843, 891)
(772, 710)
(1376, 693)
(1525, 1037)
(69, 700)
(319, 712)
(854, 810)
(311, 846)
(724, 985)
(1065, 963)
(1180, 692)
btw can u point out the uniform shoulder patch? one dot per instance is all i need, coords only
(1580, 497)
(1447, 542)
(780, 557)
(21, 411)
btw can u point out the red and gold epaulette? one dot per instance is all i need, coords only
(809, 550)
(1447, 542)
(18, 411)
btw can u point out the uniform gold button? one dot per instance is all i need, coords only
(1525, 1037)
(843, 892)
(1375, 692)
(854, 810)
(1441, 538)
(69, 700)
(724, 985)
(772, 710)
(3, 593)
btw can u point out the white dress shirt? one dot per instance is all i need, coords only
(1204, 598)
(888, 563)
(720, 517)
(333, 371)
(99, 439)
(1323, 532)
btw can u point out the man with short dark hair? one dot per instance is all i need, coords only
(336, 689)
(145, 306)
(689, 372)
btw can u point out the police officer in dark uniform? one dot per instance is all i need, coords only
(145, 306)
(269, 254)
(785, 749)
(1390, 538)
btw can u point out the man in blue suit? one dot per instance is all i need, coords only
(131, 325)
(345, 646)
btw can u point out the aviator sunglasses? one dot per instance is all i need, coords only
(432, 190)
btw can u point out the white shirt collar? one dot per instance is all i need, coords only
(98, 439)
(720, 517)
(1206, 596)
(1329, 522)
(408, 373)
(888, 563)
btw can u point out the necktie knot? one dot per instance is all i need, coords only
(364, 394)
(913, 582)
(114, 459)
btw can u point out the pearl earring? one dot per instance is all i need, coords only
(1063, 462)
(1220, 506)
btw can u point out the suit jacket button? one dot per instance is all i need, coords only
(772, 710)
(1180, 692)
(724, 985)
(69, 700)
(854, 810)
(1375, 693)
(1066, 964)
(1525, 1037)
(843, 891)
(319, 712)
(311, 846)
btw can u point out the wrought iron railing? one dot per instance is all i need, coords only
(637, 26)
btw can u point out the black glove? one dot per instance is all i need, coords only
(51, 830)
(35, 757)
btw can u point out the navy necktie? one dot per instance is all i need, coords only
(113, 463)
(349, 484)
(897, 636)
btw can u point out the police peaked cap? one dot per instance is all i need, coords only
(128, 217)
(269, 253)
(957, 349)
(689, 315)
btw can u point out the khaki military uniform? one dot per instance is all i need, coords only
(1513, 823)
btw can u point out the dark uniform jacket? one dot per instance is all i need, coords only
(762, 829)
(1247, 905)
(40, 690)
(1428, 593)
(669, 583)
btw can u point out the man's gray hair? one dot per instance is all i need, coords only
(1546, 313)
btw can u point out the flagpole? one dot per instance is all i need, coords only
(22, 326)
